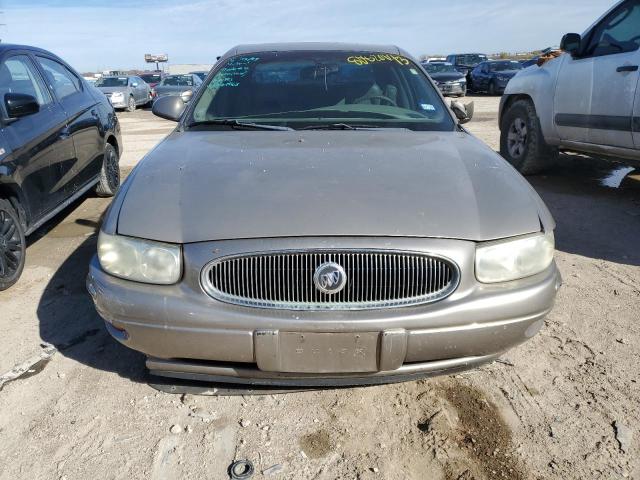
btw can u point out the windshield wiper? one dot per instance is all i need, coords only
(233, 123)
(338, 126)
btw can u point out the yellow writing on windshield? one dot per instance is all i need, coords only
(377, 57)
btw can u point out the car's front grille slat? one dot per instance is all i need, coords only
(374, 279)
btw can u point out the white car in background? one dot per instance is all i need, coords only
(583, 100)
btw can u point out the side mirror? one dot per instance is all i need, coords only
(186, 96)
(170, 107)
(571, 43)
(19, 105)
(464, 113)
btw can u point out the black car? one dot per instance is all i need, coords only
(59, 138)
(465, 62)
(492, 76)
(449, 80)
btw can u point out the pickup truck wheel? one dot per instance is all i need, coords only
(13, 246)
(110, 173)
(492, 88)
(131, 106)
(521, 141)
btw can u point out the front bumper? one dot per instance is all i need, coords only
(120, 103)
(189, 335)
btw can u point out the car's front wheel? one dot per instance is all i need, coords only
(522, 142)
(13, 246)
(110, 173)
(492, 88)
(131, 106)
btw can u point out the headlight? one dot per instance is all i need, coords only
(117, 95)
(512, 259)
(140, 260)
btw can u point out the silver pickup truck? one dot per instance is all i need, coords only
(586, 100)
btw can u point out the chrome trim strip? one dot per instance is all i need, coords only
(320, 301)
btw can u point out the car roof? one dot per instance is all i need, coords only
(10, 46)
(437, 63)
(311, 46)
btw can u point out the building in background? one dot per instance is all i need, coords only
(180, 68)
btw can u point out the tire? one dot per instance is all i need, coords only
(109, 173)
(492, 88)
(13, 247)
(131, 106)
(521, 140)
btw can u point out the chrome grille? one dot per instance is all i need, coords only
(375, 279)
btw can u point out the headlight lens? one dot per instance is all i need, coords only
(512, 259)
(117, 95)
(140, 260)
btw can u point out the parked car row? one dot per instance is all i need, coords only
(131, 91)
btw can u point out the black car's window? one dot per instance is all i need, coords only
(178, 81)
(619, 32)
(439, 68)
(63, 82)
(323, 87)
(505, 66)
(112, 82)
(470, 59)
(19, 75)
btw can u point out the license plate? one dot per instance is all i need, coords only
(298, 352)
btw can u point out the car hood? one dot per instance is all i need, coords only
(113, 89)
(447, 76)
(199, 186)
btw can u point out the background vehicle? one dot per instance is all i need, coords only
(125, 91)
(465, 62)
(529, 62)
(492, 76)
(152, 79)
(449, 80)
(59, 137)
(584, 100)
(182, 85)
(435, 59)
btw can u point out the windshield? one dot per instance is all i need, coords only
(439, 68)
(151, 77)
(178, 81)
(504, 66)
(112, 82)
(471, 59)
(298, 89)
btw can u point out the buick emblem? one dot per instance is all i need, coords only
(329, 278)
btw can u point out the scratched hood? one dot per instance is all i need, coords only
(198, 186)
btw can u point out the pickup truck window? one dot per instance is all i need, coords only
(619, 32)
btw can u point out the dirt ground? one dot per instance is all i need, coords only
(565, 405)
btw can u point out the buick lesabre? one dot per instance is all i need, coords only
(320, 216)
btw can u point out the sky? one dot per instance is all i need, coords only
(96, 35)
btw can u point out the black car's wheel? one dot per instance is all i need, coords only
(110, 173)
(131, 106)
(13, 246)
(521, 139)
(492, 88)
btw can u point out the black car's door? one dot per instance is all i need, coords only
(39, 143)
(83, 119)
